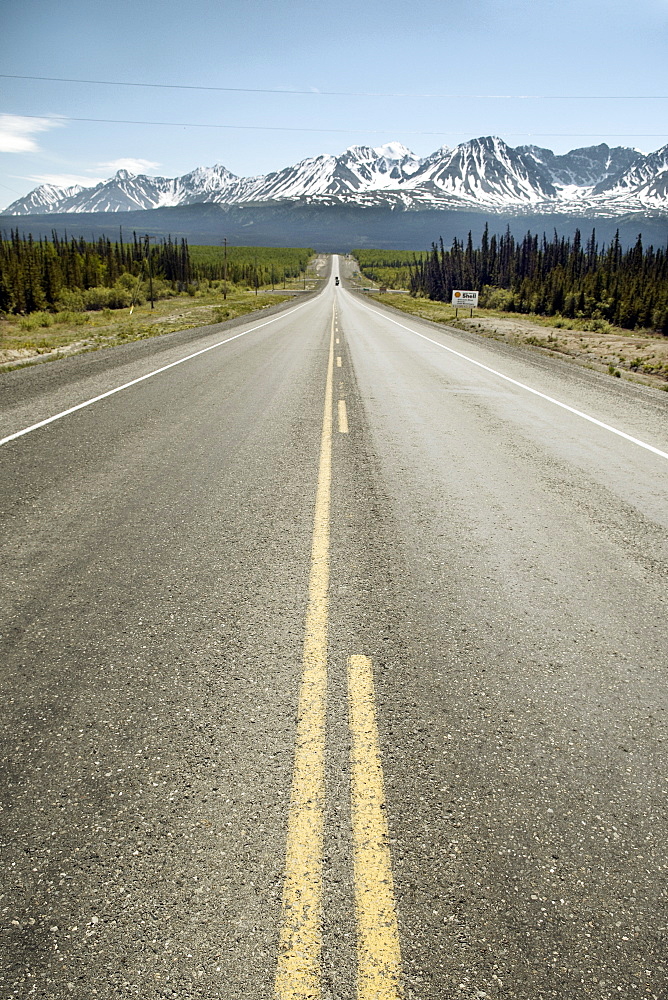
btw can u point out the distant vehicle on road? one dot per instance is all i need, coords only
(336, 281)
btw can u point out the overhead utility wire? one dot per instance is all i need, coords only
(347, 93)
(344, 131)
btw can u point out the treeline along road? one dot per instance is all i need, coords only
(334, 666)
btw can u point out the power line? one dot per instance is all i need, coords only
(345, 93)
(344, 131)
(11, 189)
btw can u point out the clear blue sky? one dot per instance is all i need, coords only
(544, 72)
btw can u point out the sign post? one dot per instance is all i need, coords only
(464, 300)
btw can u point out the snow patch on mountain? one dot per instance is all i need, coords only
(482, 173)
(45, 198)
(393, 151)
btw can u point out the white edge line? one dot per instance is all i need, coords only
(142, 378)
(521, 385)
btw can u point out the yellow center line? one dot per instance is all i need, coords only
(343, 417)
(378, 951)
(338, 362)
(298, 975)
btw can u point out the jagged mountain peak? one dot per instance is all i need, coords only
(493, 143)
(584, 167)
(207, 173)
(394, 151)
(482, 173)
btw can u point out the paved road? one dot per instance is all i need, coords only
(342, 527)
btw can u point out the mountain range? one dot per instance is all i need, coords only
(481, 174)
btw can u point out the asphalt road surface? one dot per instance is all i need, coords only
(334, 666)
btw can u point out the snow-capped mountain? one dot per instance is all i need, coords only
(485, 171)
(44, 199)
(357, 170)
(482, 173)
(581, 167)
(645, 178)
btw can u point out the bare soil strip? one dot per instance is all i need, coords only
(639, 356)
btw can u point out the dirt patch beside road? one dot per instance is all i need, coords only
(640, 356)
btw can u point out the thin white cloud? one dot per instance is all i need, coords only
(65, 180)
(129, 163)
(17, 134)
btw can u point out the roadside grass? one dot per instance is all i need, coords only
(638, 355)
(437, 312)
(26, 339)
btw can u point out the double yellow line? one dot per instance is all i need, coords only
(298, 975)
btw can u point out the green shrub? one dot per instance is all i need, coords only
(128, 281)
(119, 298)
(70, 300)
(36, 320)
(495, 298)
(96, 298)
(597, 326)
(71, 318)
(101, 297)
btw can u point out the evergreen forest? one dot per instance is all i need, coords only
(558, 277)
(250, 266)
(75, 275)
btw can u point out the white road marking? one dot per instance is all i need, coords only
(142, 378)
(528, 388)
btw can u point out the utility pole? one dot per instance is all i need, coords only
(225, 270)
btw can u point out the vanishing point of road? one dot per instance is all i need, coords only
(334, 657)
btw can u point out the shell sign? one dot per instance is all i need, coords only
(465, 300)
